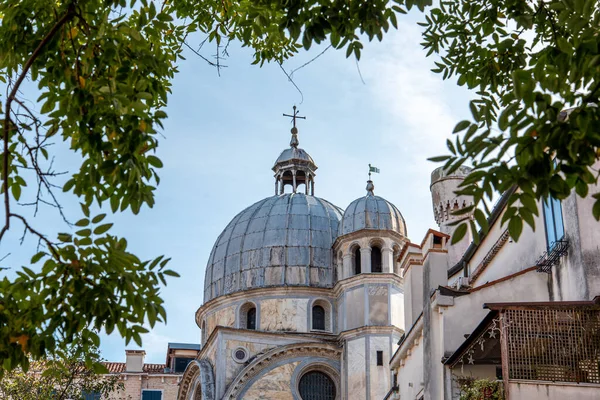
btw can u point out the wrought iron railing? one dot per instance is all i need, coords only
(552, 257)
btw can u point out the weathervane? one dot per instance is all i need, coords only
(373, 169)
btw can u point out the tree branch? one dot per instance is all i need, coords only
(10, 98)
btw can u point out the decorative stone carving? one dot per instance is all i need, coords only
(281, 353)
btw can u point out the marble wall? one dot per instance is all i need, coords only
(355, 308)
(274, 385)
(397, 308)
(357, 385)
(232, 367)
(379, 375)
(222, 317)
(378, 305)
(284, 315)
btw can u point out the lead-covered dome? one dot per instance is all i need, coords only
(372, 212)
(283, 240)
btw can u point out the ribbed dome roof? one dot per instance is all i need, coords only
(372, 212)
(280, 241)
(294, 153)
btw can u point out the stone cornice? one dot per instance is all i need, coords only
(250, 333)
(369, 330)
(266, 291)
(368, 233)
(373, 277)
(271, 357)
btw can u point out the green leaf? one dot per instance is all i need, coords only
(171, 273)
(84, 232)
(154, 161)
(461, 126)
(82, 222)
(596, 210)
(98, 218)
(515, 227)
(459, 233)
(16, 191)
(102, 229)
(37, 257)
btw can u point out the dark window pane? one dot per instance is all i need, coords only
(558, 220)
(379, 357)
(181, 363)
(251, 319)
(151, 395)
(318, 318)
(91, 395)
(375, 259)
(316, 386)
(549, 218)
(357, 266)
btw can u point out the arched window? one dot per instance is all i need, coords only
(251, 318)
(357, 266)
(318, 318)
(203, 332)
(316, 385)
(247, 316)
(375, 259)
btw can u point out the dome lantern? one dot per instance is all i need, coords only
(294, 166)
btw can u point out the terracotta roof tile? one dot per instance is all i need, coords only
(119, 367)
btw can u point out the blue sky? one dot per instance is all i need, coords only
(224, 133)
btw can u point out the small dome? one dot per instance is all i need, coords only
(372, 212)
(294, 153)
(283, 240)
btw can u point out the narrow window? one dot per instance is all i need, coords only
(555, 229)
(318, 318)
(375, 259)
(251, 319)
(379, 357)
(357, 266)
(395, 384)
(437, 241)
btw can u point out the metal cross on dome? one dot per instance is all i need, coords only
(294, 116)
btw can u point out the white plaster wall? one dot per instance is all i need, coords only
(413, 294)
(410, 376)
(468, 311)
(514, 256)
(379, 376)
(552, 391)
(357, 385)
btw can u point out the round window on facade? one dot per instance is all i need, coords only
(240, 355)
(315, 385)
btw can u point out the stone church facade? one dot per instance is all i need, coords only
(302, 300)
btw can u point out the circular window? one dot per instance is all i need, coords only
(316, 385)
(240, 354)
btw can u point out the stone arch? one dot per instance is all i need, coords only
(328, 353)
(244, 311)
(328, 314)
(396, 250)
(357, 266)
(197, 382)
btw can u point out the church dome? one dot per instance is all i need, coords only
(372, 212)
(294, 153)
(283, 240)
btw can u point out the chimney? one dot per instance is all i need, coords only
(134, 360)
